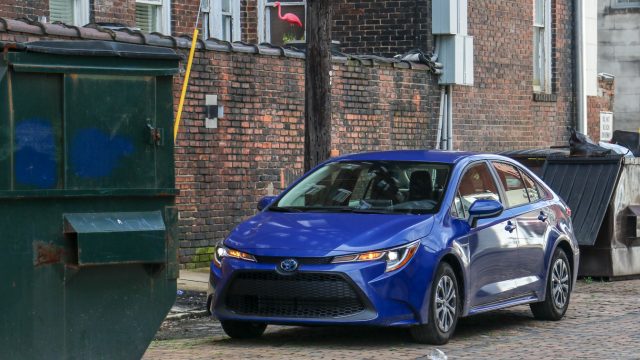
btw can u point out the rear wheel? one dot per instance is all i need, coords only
(556, 301)
(444, 309)
(243, 330)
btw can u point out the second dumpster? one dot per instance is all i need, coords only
(604, 197)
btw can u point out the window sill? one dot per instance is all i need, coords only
(544, 97)
(615, 10)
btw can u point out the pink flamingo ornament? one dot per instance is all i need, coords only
(288, 17)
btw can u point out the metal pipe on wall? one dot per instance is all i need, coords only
(450, 117)
(579, 72)
(440, 118)
(445, 123)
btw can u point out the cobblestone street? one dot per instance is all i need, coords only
(603, 322)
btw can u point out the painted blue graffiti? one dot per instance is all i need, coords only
(35, 154)
(95, 154)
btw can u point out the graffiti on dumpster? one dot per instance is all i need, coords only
(35, 153)
(95, 154)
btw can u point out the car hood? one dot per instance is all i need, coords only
(325, 234)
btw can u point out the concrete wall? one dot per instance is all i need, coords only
(619, 54)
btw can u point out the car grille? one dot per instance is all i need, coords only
(301, 260)
(300, 295)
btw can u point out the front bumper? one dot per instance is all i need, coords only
(397, 298)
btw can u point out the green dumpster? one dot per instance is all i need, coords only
(87, 198)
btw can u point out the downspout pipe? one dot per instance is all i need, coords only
(579, 55)
(440, 118)
(450, 117)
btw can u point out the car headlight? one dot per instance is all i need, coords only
(222, 251)
(395, 258)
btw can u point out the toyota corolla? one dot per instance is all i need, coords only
(414, 239)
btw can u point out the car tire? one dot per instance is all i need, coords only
(243, 330)
(558, 291)
(444, 309)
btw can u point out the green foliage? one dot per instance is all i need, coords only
(289, 37)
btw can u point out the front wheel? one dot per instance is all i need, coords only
(556, 300)
(243, 330)
(444, 309)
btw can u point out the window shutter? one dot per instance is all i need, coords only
(61, 10)
(146, 18)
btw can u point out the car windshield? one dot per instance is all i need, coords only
(393, 187)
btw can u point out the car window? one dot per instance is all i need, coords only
(476, 183)
(512, 183)
(533, 190)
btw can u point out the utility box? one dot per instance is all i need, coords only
(456, 56)
(87, 198)
(449, 17)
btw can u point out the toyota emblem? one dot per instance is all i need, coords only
(289, 265)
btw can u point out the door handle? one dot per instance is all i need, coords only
(543, 217)
(510, 227)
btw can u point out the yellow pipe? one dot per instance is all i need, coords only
(176, 125)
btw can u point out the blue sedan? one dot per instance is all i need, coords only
(414, 239)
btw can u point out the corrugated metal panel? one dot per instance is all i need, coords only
(586, 185)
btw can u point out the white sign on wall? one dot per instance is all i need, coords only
(606, 126)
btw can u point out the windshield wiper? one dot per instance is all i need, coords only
(285, 209)
(370, 211)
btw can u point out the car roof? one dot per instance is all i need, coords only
(439, 156)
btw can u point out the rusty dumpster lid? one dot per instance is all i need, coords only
(98, 48)
(587, 185)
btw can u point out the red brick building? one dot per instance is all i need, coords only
(523, 93)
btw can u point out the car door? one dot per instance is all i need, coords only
(534, 229)
(530, 216)
(492, 244)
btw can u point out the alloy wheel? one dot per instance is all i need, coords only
(445, 303)
(560, 283)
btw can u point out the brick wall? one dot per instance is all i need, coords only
(499, 111)
(183, 16)
(113, 11)
(383, 28)
(597, 104)
(248, 21)
(258, 147)
(24, 8)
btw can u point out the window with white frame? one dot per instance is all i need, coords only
(626, 3)
(222, 19)
(71, 12)
(154, 16)
(542, 46)
(272, 24)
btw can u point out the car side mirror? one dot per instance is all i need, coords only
(482, 209)
(265, 201)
